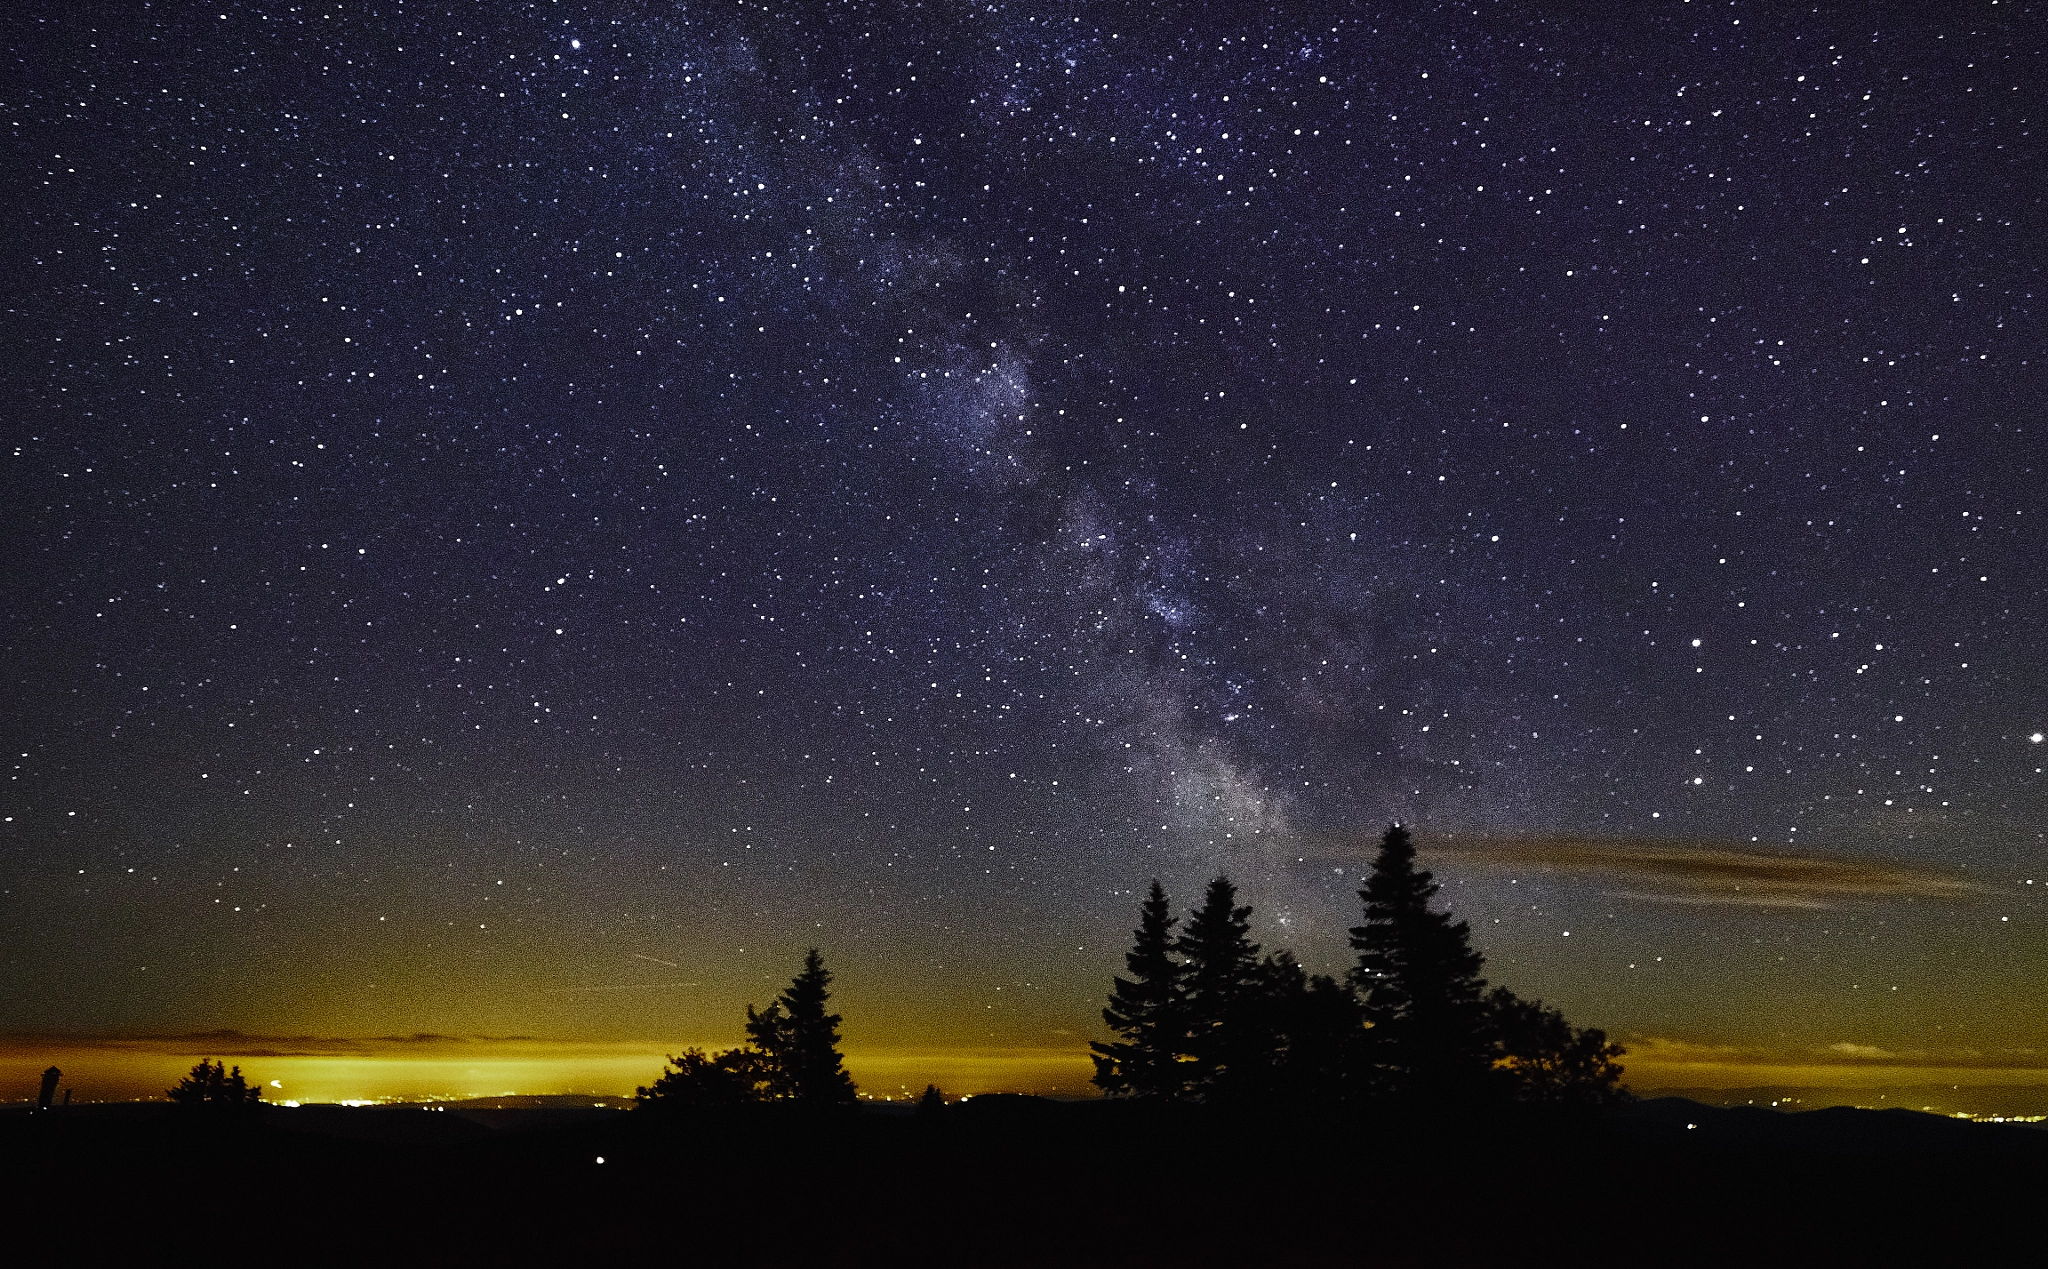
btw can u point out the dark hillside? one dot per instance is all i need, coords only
(1020, 1181)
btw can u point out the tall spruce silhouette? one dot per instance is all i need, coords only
(1418, 979)
(1219, 982)
(801, 1040)
(1146, 1012)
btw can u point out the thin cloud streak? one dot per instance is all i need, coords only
(231, 1043)
(1662, 1054)
(1710, 874)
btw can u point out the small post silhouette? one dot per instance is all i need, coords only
(49, 1090)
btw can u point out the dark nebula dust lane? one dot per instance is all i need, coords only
(497, 495)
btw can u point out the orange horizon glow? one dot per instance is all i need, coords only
(434, 1068)
(438, 1069)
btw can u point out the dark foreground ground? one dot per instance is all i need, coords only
(1017, 1181)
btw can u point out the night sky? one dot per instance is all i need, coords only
(521, 519)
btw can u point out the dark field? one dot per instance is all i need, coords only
(1014, 1181)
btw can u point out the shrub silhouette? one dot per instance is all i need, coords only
(1297, 1037)
(696, 1080)
(1546, 1059)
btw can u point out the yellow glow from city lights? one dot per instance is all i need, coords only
(437, 1069)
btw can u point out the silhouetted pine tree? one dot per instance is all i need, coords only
(801, 1041)
(1546, 1059)
(1219, 984)
(1145, 1011)
(1418, 977)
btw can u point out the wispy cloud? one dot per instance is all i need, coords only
(1708, 873)
(239, 1044)
(1867, 1052)
(1668, 1055)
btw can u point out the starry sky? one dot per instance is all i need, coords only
(522, 518)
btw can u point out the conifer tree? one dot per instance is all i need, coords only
(801, 1041)
(1220, 978)
(1145, 1012)
(1418, 977)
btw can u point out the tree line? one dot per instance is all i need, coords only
(1203, 1017)
(211, 1085)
